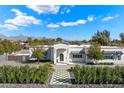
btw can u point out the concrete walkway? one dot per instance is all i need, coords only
(61, 76)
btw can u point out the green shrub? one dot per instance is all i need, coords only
(77, 71)
(101, 63)
(25, 74)
(105, 63)
(98, 75)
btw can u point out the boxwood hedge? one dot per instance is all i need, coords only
(98, 75)
(25, 74)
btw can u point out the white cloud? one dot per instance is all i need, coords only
(65, 10)
(62, 12)
(53, 9)
(68, 10)
(17, 12)
(53, 25)
(90, 18)
(109, 18)
(22, 19)
(73, 23)
(9, 27)
(78, 22)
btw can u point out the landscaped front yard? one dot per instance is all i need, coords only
(25, 74)
(98, 75)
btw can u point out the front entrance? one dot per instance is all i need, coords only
(61, 57)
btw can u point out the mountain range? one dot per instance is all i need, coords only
(14, 38)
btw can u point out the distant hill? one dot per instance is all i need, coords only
(3, 36)
(19, 37)
(14, 38)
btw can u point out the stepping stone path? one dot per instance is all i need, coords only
(60, 76)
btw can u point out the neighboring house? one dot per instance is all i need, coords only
(20, 56)
(69, 54)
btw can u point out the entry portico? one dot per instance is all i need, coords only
(61, 53)
(68, 54)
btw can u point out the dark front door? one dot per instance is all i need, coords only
(61, 57)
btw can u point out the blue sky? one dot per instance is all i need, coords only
(68, 22)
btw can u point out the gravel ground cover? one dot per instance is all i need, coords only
(61, 86)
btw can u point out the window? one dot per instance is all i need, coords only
(77, 56)
(119, 57)
(108, 57)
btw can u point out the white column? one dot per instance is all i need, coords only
(55, 56)
(85, 54)
(85, 58)
(67, 56)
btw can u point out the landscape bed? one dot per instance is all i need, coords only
(25, 74)
(98, 75)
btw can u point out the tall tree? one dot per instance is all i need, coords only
(102, 38)
(38, 53)
(95, 53)
(59, 39)
(122, 37)
(29, 40)
(1, 49)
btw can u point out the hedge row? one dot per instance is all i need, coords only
(25, 74)
(102, 63)
(98, 75)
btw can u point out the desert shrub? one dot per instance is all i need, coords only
(98, 75)
(25, 74)
(77, 71)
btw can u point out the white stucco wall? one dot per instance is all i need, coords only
(3, 58)
(76, 50)
(67, 50)
(115, 49)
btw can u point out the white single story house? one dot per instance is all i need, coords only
(63, 53)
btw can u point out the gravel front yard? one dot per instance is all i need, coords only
(61, 86)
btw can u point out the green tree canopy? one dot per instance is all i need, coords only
(122, 37)
(38, 53)
(102, 38)
(6, 46)
(59, 39)
(95, 53)
(42, 41)
(1, 49)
